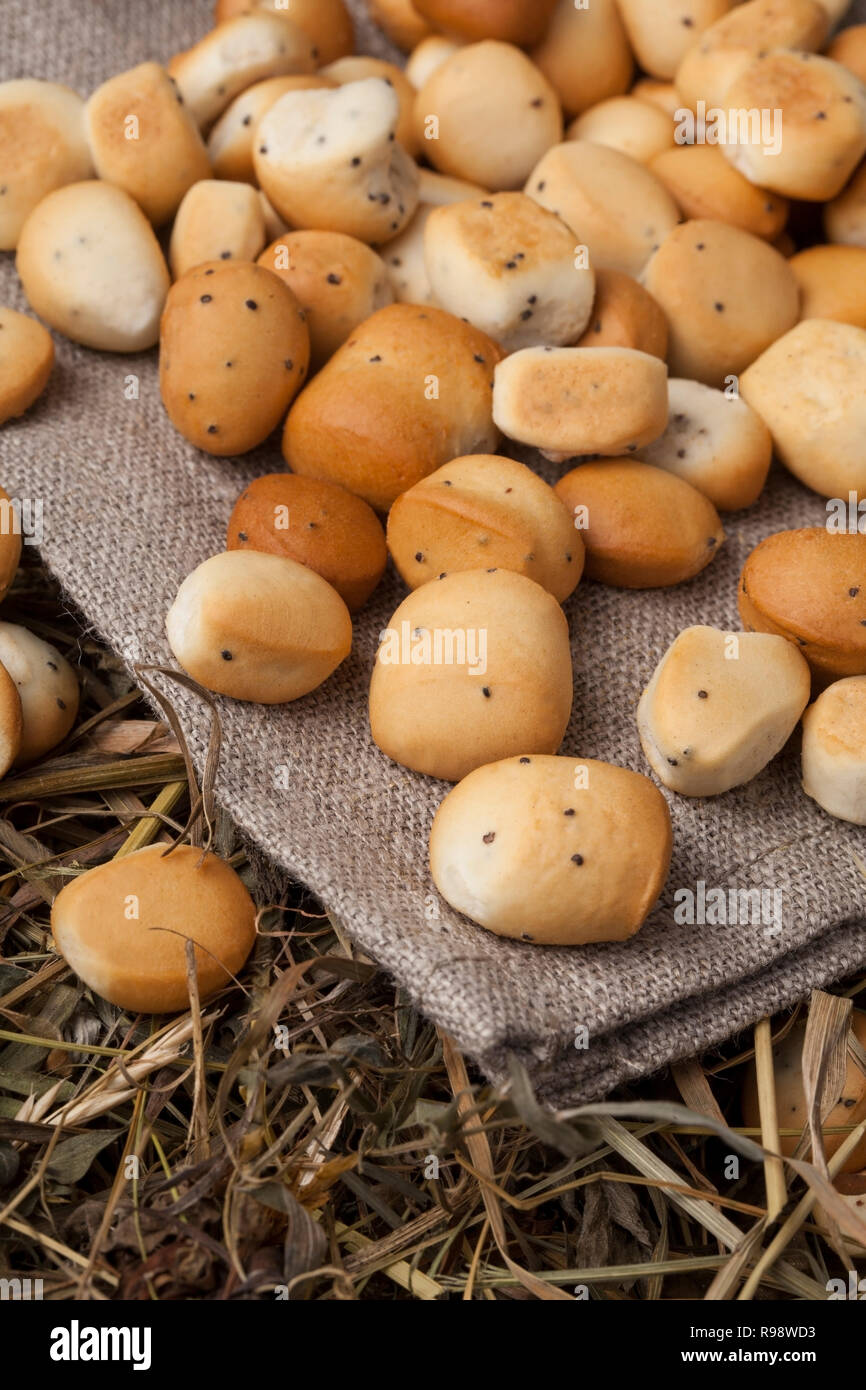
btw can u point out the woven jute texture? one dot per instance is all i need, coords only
(130, 509)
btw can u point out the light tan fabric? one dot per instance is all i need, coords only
(130, 508)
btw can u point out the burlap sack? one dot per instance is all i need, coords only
(130, 508)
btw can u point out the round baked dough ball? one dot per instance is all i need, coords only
(233, 56)
(410, 390)
(719, 707)
(144, 139)
(573, 401)
(585, 54)
(138, 959)
(624, 315)
(705, 184)
(514, 21)
(331, 160)
(845, 216)
(231, 141)
(401, 22)
(642, 527)
(11, 721)
(595, 190)
(357, 68)
(849, 49)
(44, 146)
(327, 23)
(318, 524)
(849, 1111)
(47, 687)
(809, 388)
(92, 267)
(404, 256)
(714, 441)
(485, 509)
(624, 123)
(26, 359)
(472, 667)
(554, 851)
(430, 54)
(661, 32)
(727, 296)
(258, 627)
(810, 587)
(710, 67)
(834, 750)
(10, 535)
(832, 282)
(217, 221)
(508, 266)
(822, 130)
(487, 114)
(234, 351)
(338, 281)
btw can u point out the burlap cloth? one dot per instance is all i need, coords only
(130, 509)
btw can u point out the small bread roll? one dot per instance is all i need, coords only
(809, 388)
(710, 67)
(821, 110)
(849, 49)
(231, 141)
(834, 750)
(661, 32)
(727, 296)
(487, 114)
(429, 55)
(832, 282)
(485, 509)
(705, 184)
(791, 1105)
(525, 849)
(318, 524)
(144, 139)
(123, 927)
(234, 352)
(47, 687)
(44, 146)
(664, 95)
(327, 23)
(233, 56)
(719, 707)
(810, 586)
(258, 627)
(625, 315)
(10, 534)
(585, 54)
(473, 667)
(642, 527)
(404, 256)
(508, 266)
(357, 69)
(624, 123)
(716, 442)
(337, 280)
(92, 267)
(409, 391)
(11, 721)
(330, 160)
(845, 216)
(573, 401)
(217, 221)
(595, 190)
(400, 21)
(26, 359)
(513, 21)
